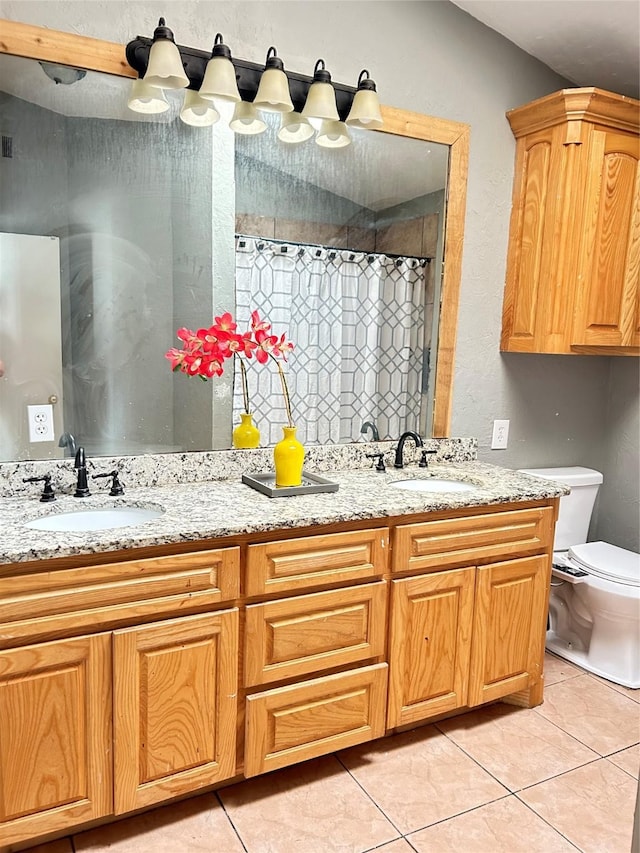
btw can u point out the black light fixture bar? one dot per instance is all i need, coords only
(247, 74)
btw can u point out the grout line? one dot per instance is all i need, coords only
(233, 826)
(364, 790)
(544, 820)
(560, 775)
(458, 814)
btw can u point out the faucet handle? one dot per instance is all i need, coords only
(116, 485)
(48, 494)
(423, 463)
(380, 458)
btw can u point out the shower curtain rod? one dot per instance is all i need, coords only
(426, 258)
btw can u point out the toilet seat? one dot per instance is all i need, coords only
(602, 560)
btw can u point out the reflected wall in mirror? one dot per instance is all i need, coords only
(119, 228)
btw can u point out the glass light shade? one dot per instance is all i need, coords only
(294, 128)
(245, 119)
(197, 112)
(321, 102)
(365, 110)
(219, 80)
(333, 134)
(165, 69)
(147, 99)
(273, 92)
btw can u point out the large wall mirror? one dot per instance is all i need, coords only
(116, 229)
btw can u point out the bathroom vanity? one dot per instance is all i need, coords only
(237, 634)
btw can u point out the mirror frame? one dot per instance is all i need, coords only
(40, 43)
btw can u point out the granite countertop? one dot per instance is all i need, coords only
(221, 508)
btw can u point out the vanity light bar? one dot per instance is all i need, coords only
(248, 75)
(267, 87)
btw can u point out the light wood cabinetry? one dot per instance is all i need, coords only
(236, 660)
(291, 724)
(291, 564)
(466, 636)
(509, 626)
(175, 707)
(430, 646)
(55, 736)
(573, 265)
(296, 636)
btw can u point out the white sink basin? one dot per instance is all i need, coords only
(435, 484)
(83, 520)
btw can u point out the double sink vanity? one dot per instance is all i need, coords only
(228, 634)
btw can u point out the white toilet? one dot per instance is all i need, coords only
(594, 606)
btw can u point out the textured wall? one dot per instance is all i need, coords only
(618, 509)
(433, 58)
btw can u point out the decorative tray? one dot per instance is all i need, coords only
(312, 484)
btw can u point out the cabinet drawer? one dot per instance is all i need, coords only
(310, 561)
(291, 724)
(285, 639)
(439, 544)
(39, 603)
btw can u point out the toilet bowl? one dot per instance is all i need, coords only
(594, 618)
(594, 603)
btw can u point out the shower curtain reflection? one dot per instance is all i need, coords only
(358, 322)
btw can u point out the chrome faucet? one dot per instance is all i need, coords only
(399, 463)
(80, 464)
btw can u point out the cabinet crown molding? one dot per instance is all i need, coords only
(597, 106)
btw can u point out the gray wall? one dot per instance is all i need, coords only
(433, 58)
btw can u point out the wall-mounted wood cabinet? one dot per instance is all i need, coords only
(573, 265)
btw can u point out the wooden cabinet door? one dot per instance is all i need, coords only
(509, 628)
(608, 294)
(431, 622)
(175, 707)
(55, 736)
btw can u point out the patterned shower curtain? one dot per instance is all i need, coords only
(357, 320)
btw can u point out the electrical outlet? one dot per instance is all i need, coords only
(500, 437)
(40, 423)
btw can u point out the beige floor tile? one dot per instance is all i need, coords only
(399, 846)
(628, 760)
(599, 717)
(420, 777)
(62, 845)
(505, 826)
(592, 806)
(626, 691)
(190, 826)
(517, 746)
(315, 807)
(557, 669)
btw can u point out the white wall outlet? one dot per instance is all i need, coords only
(500, 437)
(40, 423)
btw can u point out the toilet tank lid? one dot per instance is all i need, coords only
(571, 476)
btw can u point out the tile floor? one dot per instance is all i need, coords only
(554, 779)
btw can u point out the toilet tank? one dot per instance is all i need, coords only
(576, 508)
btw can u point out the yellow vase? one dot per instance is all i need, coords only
(288, 456)
(246, 434)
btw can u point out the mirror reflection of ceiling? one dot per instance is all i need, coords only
(417, 172)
